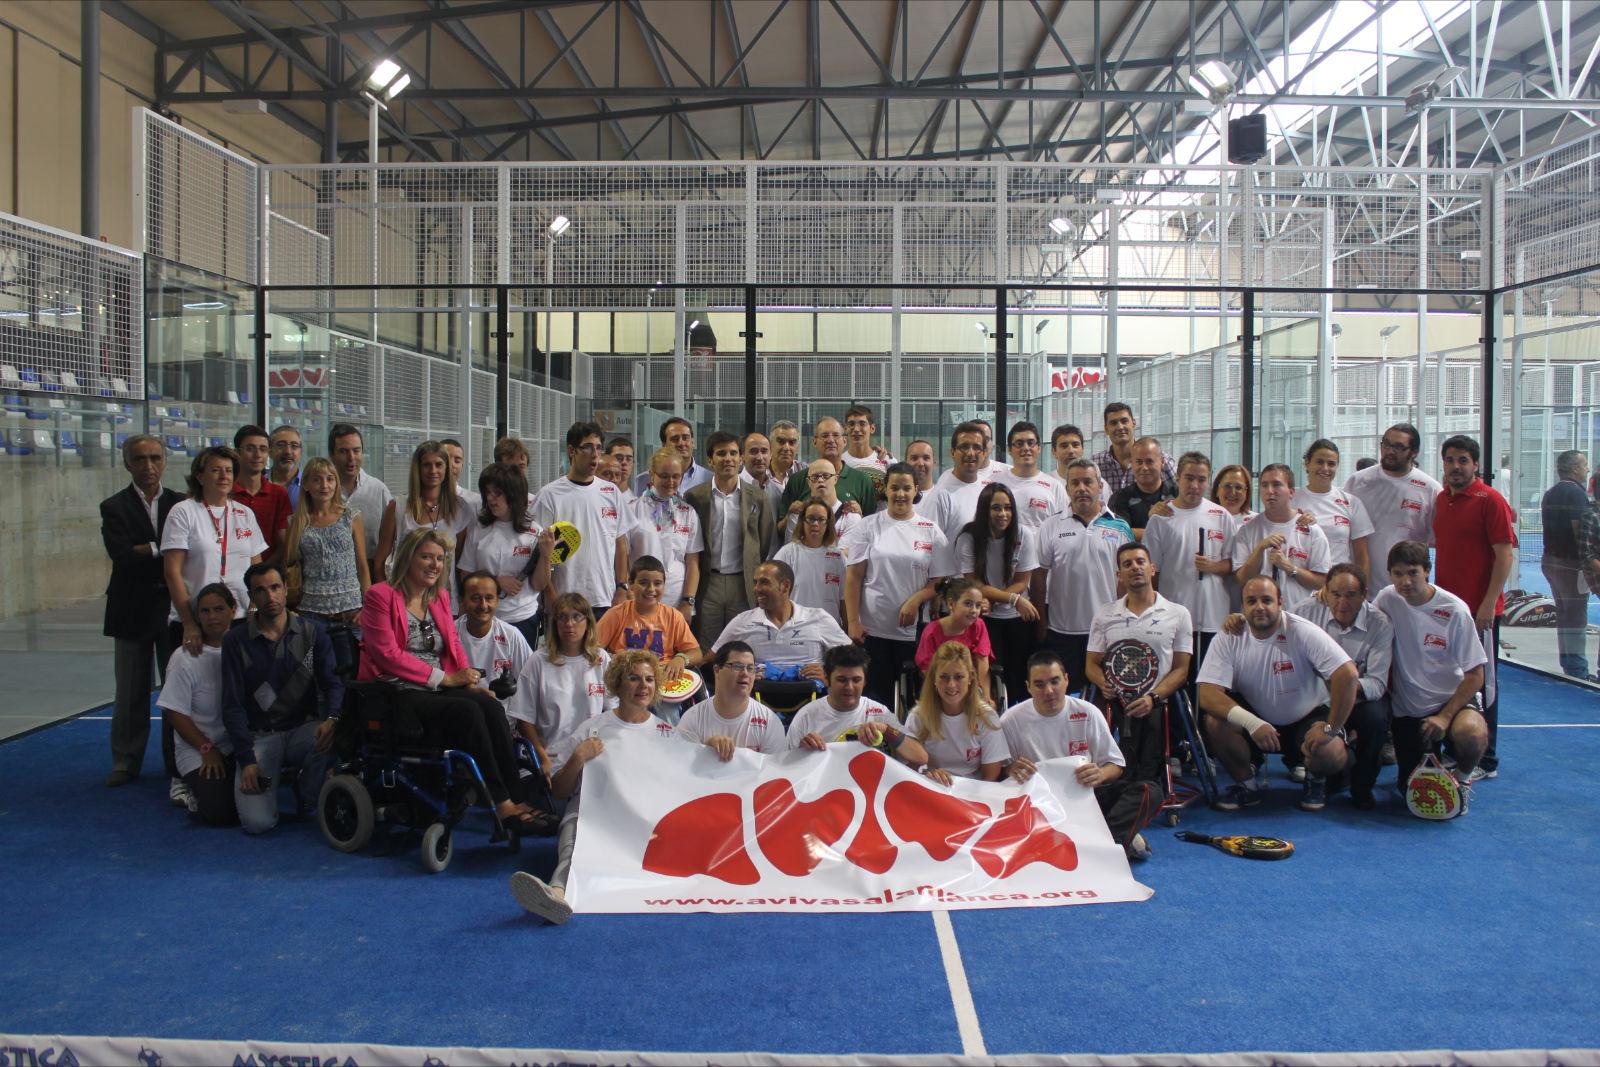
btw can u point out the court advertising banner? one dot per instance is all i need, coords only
(671, 828)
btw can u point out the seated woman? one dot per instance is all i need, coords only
(954, 724)
(191, 703)
(632, 678)
(565, 681)
(645, 623)
(409, 638)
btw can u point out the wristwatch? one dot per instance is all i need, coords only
(206, 748)
(689, 600)
(1339, 733)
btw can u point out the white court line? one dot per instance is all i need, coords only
(960, 996)
(94, 718)
(1550, 726)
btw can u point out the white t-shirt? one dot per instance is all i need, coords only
(843, 521)
(1342, 518)
(500, 550)
(205, 534)
(951, 502)
(1038, 496)
(1081, 566)
(757, 728)
(901, 555)
(596, 510)
(818, 576)
(671, 537)
(1173, 541)
(1164, 626)
(370, 499)
(500, 648)
(607, 727)
(1024, 559)
(194, 688)
(563, 696)
(454, 528)
(1282, 676)
(959, 751)
(1400, 509)
(1434, 645)
(821, 718)
(1078, 729)
(1307, 549)
(803, 639)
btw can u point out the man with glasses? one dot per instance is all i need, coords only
(953, 500)
(992, 465)
(1399, 498)
(254, 489)
(286, 451)
(853, 485)
(1037, 493)
(599, 568)
(731, 719)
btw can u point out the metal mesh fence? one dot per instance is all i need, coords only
(195, 202)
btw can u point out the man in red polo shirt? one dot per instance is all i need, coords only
(253, 489)
(1476, 535)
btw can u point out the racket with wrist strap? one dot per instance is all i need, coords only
(1132, 668)
(888, 739)
(567, 540)
(1248, 846)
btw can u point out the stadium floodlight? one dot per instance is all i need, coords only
(1060, 225)
(559, 225)
(384, 73)
(1213, 81)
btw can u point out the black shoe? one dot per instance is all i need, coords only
(120, 776)
(1363, 801)
(1315, 795)
(1237, 796)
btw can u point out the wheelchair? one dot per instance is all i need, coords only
(1191, 757)
(785, 694)
(386, 769)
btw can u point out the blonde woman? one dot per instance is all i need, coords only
(954, 724)
(324, 548)
(565, 680)
(431, 499)
(632, 677)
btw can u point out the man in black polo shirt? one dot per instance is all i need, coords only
(1149, 487)
(1560, 511)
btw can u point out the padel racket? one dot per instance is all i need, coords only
(1132, 667)
(1250, 847)
(567, 541)
(688, 684)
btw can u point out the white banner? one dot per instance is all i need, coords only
(671, 828)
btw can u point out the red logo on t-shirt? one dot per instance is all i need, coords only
(973, 754)
(522, 550)
(1441, 613)
(922, 546)
(1340, 520)
(1419, 483)
(758, 720)
(680, 529)
(1037, 504)
(608, 512)
(1282, 666)
(663, 727)
(1077, 715)
(1077, 748)
(1433, 641)
(830, 579)
(1216, 535)
(1411, 505)
(502, 665)
(597, 689)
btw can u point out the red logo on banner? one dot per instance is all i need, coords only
(706, 835)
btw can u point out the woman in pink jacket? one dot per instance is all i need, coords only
(409, 638)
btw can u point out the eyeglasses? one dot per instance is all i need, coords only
(821, 477)
(1395, 446)
(592, 449)
(742, 668)
(1024, 444)
(969, 447)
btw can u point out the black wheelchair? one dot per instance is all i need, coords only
(386, 769)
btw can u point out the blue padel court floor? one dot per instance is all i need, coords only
(1382, 932)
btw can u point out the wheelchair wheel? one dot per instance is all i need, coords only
(437, 847)
(344, 811)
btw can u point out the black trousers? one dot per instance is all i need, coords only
(136, 665)
(1074, 652)
(214, 796)
(1368, 726)
(886, 657)
(473, 721)
(1014, 640)
(1128, 806)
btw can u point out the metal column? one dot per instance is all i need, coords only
(1000, 361)
(750, 335)
(1247, 380)
(89, 128)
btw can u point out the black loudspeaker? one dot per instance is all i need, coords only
(1247, 138)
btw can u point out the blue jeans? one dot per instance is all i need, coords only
(258, 812)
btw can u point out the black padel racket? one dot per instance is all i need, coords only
(1250, 847)
(1132, 667)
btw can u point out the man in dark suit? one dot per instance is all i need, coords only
(736, 521)
(136, 601)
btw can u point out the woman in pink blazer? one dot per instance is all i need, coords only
(409, 638)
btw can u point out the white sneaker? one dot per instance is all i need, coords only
(1479, 774)
(1297, 774)
(1138, 848)
(179, 794)
(546, 901)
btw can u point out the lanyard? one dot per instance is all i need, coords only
(221, 528)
